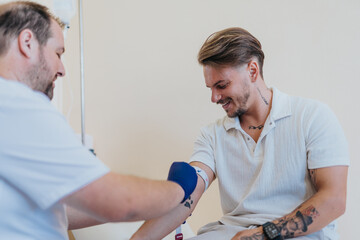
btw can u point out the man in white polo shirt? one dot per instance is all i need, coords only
(48, 180)
(281, 161)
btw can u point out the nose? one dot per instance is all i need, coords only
(61, 70)
(215, 96)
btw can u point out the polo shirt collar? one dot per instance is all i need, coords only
(280, 108)
(230, 123)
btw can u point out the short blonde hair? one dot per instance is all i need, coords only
(231, 47)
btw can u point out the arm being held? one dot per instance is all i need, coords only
(116, 198)
(158, 228)
(183, 174)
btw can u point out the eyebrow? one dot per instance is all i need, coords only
(217, 83)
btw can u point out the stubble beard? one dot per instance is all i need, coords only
(40, 78)
(242, 109)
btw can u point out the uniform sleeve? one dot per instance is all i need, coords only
(204, 149)
(325, 142)
(41, 156)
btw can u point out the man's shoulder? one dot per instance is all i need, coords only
(293, 99)
(304, 104)
(299, 108)
(309, 105)
(310, 110)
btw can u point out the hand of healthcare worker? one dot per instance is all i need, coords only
(184, 175)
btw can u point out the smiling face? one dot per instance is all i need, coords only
(49, 66)
(230, 87)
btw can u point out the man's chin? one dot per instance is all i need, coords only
(49, 93)
(238, 113)
(231, 115)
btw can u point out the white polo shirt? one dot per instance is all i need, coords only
(266, 180)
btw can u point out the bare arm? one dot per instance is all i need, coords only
(158, 228)
(317, 212)
(325, 206)
(78, 219)
(116, 198)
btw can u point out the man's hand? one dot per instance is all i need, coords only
(250, 234)
(184, 175)
(158, 228)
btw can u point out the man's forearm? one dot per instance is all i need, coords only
(158, 228)
(325, 206)
(315, 213)
(311, 216)
(116, 198)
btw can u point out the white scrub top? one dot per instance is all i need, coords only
(41, 162)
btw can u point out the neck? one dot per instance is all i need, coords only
(260, 109)
(7, 69)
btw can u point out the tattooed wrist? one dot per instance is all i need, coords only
(255, 236)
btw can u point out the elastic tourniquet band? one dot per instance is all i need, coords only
(203, 175)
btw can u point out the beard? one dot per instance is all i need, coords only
(242, 108)
(40, 78)
(238, 113)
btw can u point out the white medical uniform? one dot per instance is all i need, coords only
(262, 181)
(41, 162)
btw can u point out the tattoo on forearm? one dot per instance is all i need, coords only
(263, 98)
(258, 127)
(256, 236)
(297, 224)
(313, 177)
(188, 202)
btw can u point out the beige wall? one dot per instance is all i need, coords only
(145, 95)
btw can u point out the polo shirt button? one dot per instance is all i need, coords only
(248, 139)
(270, 123)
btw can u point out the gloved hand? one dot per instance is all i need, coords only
(184, 175)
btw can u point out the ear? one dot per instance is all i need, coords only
(27, 43)
(253, 69)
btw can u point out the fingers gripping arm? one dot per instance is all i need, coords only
(158, 228)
